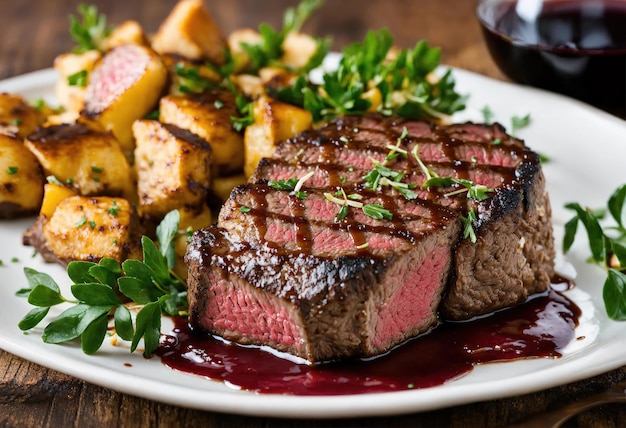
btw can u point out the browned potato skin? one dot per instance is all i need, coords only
(173, 168)
(190, 31)
(21, 179)
(208, 116)
(92, 161)
(274, 121)
(127, 32)
(17, 116)
(89, 229)
(191, 219)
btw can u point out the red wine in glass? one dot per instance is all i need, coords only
(577, 48)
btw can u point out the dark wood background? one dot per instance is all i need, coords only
(33, 32)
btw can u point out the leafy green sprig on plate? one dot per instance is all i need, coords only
(607, 245)
(98, 292)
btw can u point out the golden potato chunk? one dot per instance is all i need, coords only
(222, 186)
(17, 116)
(91, 228)
(235, 42)
(208, 116)
(128, 32)
(191, 32)
(173, 168)
(298, 49)
(89, 160)
(53, 194)
(74, 71)
(190, 221)
(124, 87)
(21, 179)
(274, 121)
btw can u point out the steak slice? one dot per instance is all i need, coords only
(285, 271)
(288, 274)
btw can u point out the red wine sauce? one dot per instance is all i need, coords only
(539, 328)
(574, 47)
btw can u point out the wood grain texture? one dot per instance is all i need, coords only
(35, 31)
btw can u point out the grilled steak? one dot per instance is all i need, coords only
(283, 269)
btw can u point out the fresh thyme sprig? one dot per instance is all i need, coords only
(375, 211)
(97, 292)
(474, 191)
(292, 184)
(607, 245)
(468, 226)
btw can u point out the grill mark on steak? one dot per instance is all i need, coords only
(320, 293)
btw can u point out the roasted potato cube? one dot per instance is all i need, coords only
(124, 87)
(190, 31)
(128, 32)
(72, 96)
(274, 121)
(274, 79)
(298, 48)
(249, 85)
(222, 186)
(21, 179)
(190, 221)
(235, 41)
(173, 168)
(208, 116)
(188, 76)
(53, 194)
(91, 161)
(91, 228)
(17, 116)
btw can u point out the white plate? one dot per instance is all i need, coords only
(587, 149)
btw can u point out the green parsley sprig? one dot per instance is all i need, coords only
(89, 29)
(405, 79)
(607, 245)
(97, 294)
(270, 50)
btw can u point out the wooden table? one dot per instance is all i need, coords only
(35, 31)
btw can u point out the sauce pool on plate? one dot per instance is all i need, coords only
(540, 328)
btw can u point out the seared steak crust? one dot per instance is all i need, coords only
(284, 271)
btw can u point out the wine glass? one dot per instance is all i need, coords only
(574, 47)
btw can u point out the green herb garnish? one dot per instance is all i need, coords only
(12, 170)
(405, 80)
(518, 123)
(487, 115)
(150, 283)
(244, 209)
(607, 246)
(114, 210)
(81, 222)
(468, 228)
(284, 184)
(377, 212)
(190, 80)
(88, 30)
(245, 110)
(78, 79)
(270, 50)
